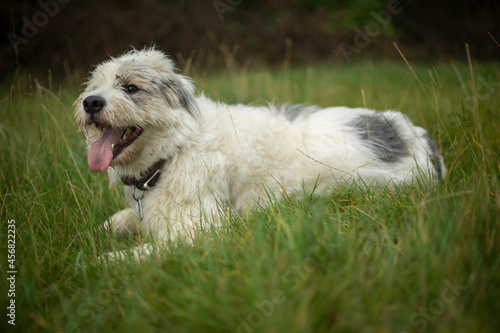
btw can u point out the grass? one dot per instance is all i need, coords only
(414, 260)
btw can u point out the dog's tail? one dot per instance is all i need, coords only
(436, 159)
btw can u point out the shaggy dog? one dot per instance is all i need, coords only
(183, 158)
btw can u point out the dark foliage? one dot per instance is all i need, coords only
(51, 33)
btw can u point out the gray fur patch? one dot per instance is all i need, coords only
(175, 95)
(293, 112)
(381, 136)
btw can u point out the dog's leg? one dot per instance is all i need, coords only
(139, 253)
(124, 222)
(183, 229)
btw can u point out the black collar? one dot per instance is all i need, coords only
(152, 175)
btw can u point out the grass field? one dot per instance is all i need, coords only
(413, 260)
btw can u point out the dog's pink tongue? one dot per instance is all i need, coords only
(101, 152)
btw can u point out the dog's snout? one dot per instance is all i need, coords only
(93, 104)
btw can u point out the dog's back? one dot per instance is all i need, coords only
(291, 147)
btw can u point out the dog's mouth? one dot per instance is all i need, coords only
(109, 145)
(130, 134)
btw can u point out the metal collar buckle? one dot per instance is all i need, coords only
(138, 204)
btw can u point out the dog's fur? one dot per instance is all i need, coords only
(234, 154)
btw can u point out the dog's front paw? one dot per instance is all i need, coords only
(110, 258)
(124, 222)
(139, 253)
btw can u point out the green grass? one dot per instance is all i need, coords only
(353, 261)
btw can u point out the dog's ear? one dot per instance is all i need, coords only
(179, 92)
(177, 89)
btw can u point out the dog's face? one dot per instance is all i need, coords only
(134, 110)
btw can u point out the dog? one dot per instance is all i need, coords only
(183, 157)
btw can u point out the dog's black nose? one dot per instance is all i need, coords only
(93, 104)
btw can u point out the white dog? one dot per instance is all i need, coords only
(183, 157)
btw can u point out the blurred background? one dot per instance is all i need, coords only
(64, 35)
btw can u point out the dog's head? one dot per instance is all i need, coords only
(136, 110)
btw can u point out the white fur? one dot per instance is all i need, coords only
(232, 154)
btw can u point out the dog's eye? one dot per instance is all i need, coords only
(131, 89)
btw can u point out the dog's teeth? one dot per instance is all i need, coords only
(112, 146)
